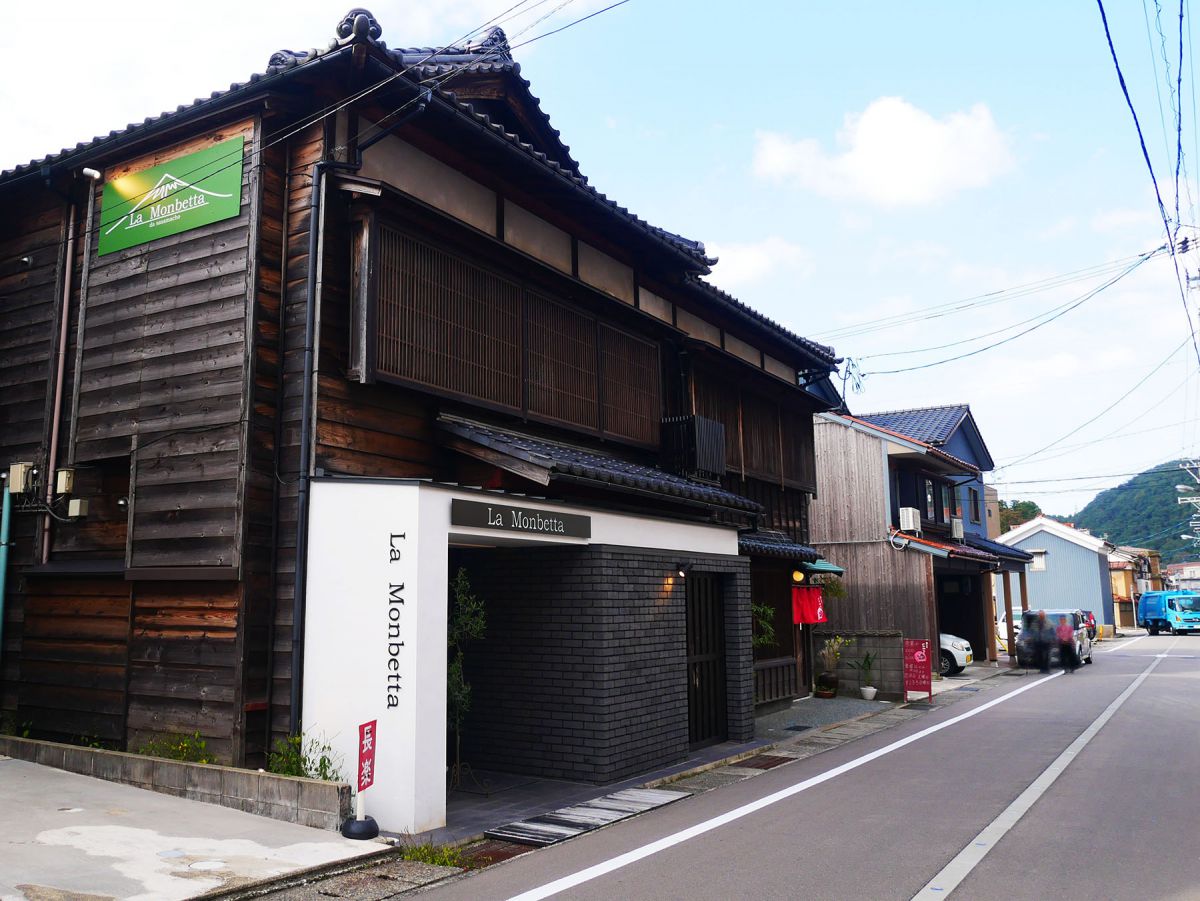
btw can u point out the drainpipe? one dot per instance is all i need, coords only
(5, 521)
(60, 369)
(312, 287)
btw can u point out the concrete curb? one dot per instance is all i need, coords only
(291, 799)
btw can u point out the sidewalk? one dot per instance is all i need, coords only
(65, 836)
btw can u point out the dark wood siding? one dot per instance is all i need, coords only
(73, 659)
(162, 376)
(183, 664)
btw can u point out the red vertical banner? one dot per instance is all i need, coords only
(366, 755)
(918, 668)
(808, 604)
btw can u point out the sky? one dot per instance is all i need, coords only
(850, 163)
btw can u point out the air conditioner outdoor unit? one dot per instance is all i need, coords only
(910, 519)
(956, 528)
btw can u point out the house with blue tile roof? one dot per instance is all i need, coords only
(930, 502)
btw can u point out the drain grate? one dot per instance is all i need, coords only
(763, 761)
(967, 688)
(799, 727)
(491, 851)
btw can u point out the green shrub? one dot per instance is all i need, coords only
(307, 757)
(188, 748)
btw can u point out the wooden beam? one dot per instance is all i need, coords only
(1008, 617)
(538, 474)
(1024, 591)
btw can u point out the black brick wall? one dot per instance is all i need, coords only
(583, 672)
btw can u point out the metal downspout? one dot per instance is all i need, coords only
(315, 230)
(59, 372)
(5, 521)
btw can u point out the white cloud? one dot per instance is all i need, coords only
(892, 154)
(741, 264)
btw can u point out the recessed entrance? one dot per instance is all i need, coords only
(707, 723)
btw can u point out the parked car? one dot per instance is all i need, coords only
(1089, 620)
(955, 654)
(1174, 611)
(1025, 641)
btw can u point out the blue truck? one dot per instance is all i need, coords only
(1176, 612)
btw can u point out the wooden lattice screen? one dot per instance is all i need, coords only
(455, 327)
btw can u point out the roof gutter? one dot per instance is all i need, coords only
(311, 293)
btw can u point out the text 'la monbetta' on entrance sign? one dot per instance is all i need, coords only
(526, 520)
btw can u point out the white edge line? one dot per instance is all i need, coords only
(669, 841)
(953, 873)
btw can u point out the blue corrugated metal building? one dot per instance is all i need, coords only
(1069, 567)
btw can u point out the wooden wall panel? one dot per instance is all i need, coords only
(162, 374)
(183, 664)
(74, 656)
(851, 504)
(886, 589)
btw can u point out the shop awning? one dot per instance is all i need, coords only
(543, 461)
(772, 543)
(822, 566)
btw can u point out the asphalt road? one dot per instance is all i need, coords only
(1068, 786)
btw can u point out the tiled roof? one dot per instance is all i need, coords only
(953, 548)
(825, 355)
(932, 425)
(771, 543)
(995, 547)
(492, 55)
(563, 460)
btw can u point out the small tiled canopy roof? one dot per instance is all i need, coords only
(770, 543)
(1003, 551)
(547, 460)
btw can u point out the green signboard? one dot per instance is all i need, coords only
(185, 193)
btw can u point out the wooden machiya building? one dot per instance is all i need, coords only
(305, 348)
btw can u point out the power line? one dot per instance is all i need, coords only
(1063, 307)
(1088, 422)
(1154, 180)
(1110, 475)
(937, 311)
(1062, 312)
(288, 131)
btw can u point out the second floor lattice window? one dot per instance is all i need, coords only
(445, 324)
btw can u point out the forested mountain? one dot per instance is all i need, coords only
(1144, 512)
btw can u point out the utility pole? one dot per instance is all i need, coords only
(1189, 495)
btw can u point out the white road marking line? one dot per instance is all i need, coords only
(1122, 645)
(977, 848)
(669, 841)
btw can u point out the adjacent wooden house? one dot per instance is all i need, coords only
(308, 346)
(904, 516)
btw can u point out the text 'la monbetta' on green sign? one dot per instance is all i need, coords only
(173, 197)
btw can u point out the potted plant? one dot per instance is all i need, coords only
(827, 679)
(865, 668)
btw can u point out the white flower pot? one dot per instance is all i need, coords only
(868, 692)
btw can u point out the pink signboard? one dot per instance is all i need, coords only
(918, 671)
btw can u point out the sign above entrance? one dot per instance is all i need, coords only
(173, 197)
(523, 520)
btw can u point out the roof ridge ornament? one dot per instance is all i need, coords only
(496, 43)
(358, 25)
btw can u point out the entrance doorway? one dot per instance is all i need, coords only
(707, 723)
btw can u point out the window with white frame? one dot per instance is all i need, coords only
(1039, 561)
